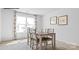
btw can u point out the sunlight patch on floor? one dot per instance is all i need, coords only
(15, 45)
(17, 41)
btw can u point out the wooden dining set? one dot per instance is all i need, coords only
(41, 40)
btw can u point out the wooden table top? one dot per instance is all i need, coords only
(45, 35)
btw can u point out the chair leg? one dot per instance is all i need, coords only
(52, 44)
(30, 44)
(46, 45)
(36, 46)
(33, 45)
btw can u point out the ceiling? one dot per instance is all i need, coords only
(39, 11)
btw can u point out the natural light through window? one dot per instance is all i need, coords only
(20, 24)
(30, 22)
(23, 22)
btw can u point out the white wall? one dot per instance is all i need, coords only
(0, 24)
(68, 33)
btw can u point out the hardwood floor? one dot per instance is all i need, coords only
(14, 45)
(60, 45)
(22, 45)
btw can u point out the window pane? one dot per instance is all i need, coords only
(31, 22)
(20, 20)
(21, 28)
(20, 24)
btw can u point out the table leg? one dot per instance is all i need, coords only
(40, 41)
(54, 42)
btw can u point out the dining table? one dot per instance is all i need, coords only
(47, 35)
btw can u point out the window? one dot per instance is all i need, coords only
(30, 22)
(20, 24)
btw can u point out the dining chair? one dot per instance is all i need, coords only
(34, 40)
(49, 38)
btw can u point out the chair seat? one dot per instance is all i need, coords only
(44, 39)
